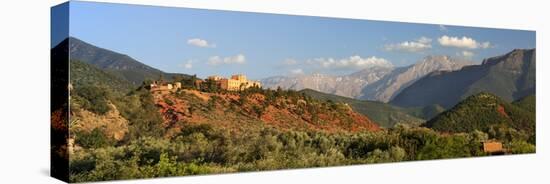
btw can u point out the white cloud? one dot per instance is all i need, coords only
(200, 43)
(297, 71)
(443, 28)
(419, 45)
(353, 62)
(217, 60)
(464, 42)
(467, 54)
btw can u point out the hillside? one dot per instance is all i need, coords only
(390, 85)
(510, 77)
(528, 103)
(285, 110)
(430, 111)
(384, 114)
(120, 65)
(83, 74)
(194, 132)
(101, 80)
(481, 112)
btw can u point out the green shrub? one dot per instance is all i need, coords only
(93, 98)
(139, 109)
(520, 147)
(94, 139)
(168, 101)
(204, 149)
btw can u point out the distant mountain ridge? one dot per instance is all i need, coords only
(344, 85)
(373, 83)
(118, 64)
(510, 77)
(84, 74)
(390, 85)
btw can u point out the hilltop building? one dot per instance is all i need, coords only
(164, 86)
(235, 83)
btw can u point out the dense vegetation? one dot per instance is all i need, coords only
(487, 112)
(83, 74)
(137, 107)
(481, 111)
(527, 103)
(384, 114)
(204, 148)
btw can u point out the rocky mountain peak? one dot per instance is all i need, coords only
(386, 88)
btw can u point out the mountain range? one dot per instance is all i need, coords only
(510, 77)
(344, 85)
(84, 74)
(390, 85)
(378, 83)
(118, 64)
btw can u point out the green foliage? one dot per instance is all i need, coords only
(520, 147)
(84, 74)
(92, 98)
(394, 154)
(480, 112)
(383, 114)
(210, 86)
(139, 109)
(527, 103)
(259, 110)
(431, 111)
(94, 139)
(82, 165)
(187, 82)
(168, 101)
(505, 133)
(447, 147)
(203, 149)
(212, 102)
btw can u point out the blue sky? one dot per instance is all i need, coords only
(206, 42)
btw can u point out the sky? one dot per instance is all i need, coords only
(211, 42)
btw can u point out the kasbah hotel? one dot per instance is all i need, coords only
(235, 83)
